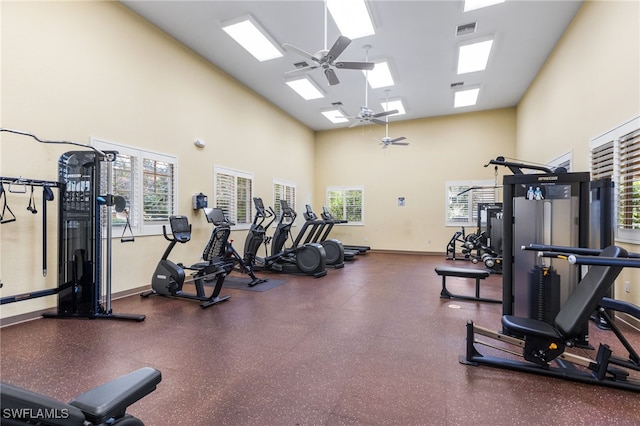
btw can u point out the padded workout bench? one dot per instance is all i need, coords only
(478, 274)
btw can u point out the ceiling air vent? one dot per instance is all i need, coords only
(466, 29)
(458, 84)
(301, 64)
(336, 103)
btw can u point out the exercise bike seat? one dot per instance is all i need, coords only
(112, 398)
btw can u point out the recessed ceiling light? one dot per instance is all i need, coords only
(394, 104)
(465, 98)
(379, 76)
(250, 35)
(474, 57)
(305, 88)
(478, 4)
(352, 17)
(335, 116)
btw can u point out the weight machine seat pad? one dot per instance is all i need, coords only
(585, 299)
(112, 398)
(530, 327)
(461, 272)
(28, 405)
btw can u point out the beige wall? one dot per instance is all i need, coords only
(442, 148)
(75, 70)
(589, 85)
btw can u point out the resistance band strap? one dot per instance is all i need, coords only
(130, 238)
(5, 207)
(32, 203)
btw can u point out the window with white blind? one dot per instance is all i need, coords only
(233, 192)
(462, 199)
(346, 203)
(283, 190)
(148, 183)
(616, 155)
(564, 161)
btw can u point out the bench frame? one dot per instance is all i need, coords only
(476, 274)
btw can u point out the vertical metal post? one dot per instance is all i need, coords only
(109, 206)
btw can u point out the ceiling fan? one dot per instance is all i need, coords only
(326, 58)
(386, 141)
(366, 115)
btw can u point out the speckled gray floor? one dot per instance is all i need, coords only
(370, 344)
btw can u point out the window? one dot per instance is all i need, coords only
(563, 161)
(616, 155)
(346, 203)
(283, 191)
(233, 192)
(463, 198)
(148, 183)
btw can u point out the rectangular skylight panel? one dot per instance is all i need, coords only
(394, 104)
(474, 57)
(305, 88)
(352, 17)
(335, 116)
(478, 4)
(465, 98)
(247, 33)
(379, 76)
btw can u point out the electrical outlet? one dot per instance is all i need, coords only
(627, 286)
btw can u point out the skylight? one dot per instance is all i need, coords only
(465, 98)
(352, 17)
(474, 57)
(305, 88)
(335, 116)
(478, 4)
(249, 34)
(379, 76)
(394, 104)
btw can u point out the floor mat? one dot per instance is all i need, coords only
(241, 283)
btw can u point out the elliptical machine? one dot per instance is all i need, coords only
(307, 259)
(220, 248)
(169, 278)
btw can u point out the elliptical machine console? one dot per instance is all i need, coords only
(169, 277)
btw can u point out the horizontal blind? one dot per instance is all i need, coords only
(629, 181)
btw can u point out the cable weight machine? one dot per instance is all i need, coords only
(82, 262)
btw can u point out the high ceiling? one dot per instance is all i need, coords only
(417, 38)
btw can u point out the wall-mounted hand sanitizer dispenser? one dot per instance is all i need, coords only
(200, 201)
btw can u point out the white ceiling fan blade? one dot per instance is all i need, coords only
(367, 66)
(331, 76)
(300, 52)
(338, 47)
(401, 138)
(357, 123)
(385, 113)
(300, 71)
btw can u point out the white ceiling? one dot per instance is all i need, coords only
(418, 38)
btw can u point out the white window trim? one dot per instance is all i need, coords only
(348, 188)
(138, 226)
(564, 158)
(472, 222)
(237, 173)
(622, 235)
(289, 184)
